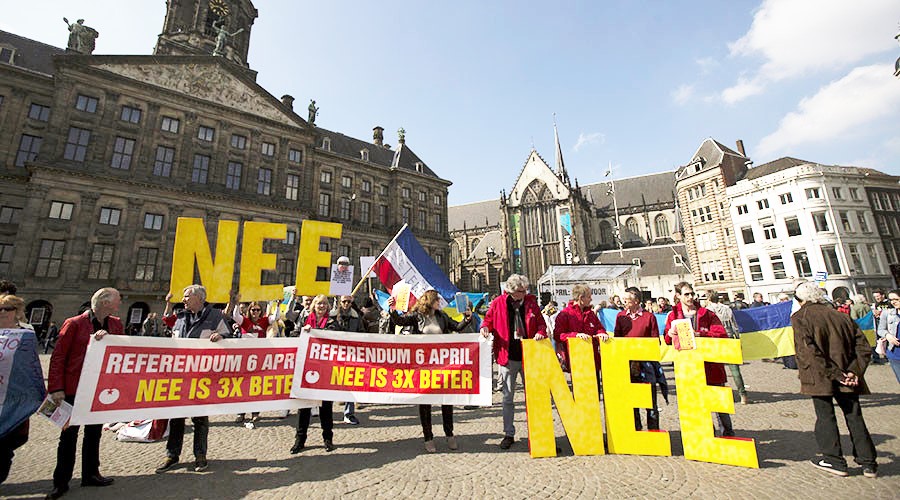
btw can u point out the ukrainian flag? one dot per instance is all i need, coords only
(867, 325)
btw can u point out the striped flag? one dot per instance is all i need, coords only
(404, 259)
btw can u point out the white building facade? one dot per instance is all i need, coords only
(796, 219)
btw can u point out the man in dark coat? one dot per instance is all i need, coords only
(832, 355)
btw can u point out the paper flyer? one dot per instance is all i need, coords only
(59, 414)
(683, 340)
(401, 292)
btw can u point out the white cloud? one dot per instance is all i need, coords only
(707, 65)
(795, 37)
(866, 94)
(743, 89)
(592, 138)
(683, 93)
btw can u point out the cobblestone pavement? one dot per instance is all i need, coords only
(384, 457)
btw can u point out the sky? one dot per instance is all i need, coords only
(633, 84)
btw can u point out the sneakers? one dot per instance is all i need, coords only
(351, 419)
(744, 399)
(166, 464)
(829, 466)
(870, 471)
(429, 446)
(451, 443)
(507, 442)
(201, 464)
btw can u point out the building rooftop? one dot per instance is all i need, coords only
(633, 191)
(29, 54)
(474, 215)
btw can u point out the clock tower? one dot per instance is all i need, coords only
(208, 27)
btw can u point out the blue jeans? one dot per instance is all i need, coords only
(895, 365)
(508, 375)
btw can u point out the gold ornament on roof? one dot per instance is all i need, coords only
(219, 7)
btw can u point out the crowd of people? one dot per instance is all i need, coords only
(832, 355)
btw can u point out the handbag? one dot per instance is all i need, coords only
(881, 346)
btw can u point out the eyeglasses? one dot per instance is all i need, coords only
(7, 309)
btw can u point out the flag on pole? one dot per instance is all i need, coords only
(404, 259)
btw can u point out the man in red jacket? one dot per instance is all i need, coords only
(705, 324)
(512, 317)
(65, 371)
(578, 320)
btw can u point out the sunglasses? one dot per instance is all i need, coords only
(7, 309)
(255, 309)
(688, 293)
(346, 301)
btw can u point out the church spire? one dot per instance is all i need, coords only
(560, 164)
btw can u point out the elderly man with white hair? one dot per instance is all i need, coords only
(198, 320)
(62, 381)
(512, 317)
(832, 355)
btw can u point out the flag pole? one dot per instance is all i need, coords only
(361, 279)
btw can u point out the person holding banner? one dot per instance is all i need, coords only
(254, 326)
(12, 315)
(511, 318)
(347, 319)
(319, 319)
(62, 382)
(578, 320)
(198, 320)
(636, 321)
(428, 318)
(705, 323)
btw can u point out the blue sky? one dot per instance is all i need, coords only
(638, 84)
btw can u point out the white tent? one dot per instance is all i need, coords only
(604, 279)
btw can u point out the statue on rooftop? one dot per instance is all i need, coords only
(222, 36)
(81, 37)
(313, 111)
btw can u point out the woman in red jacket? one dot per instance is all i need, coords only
(579, 321)
(706, 324)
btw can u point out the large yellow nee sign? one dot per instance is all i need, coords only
(580, 412)
(192, 246)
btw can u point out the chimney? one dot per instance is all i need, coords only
(378, 136)
(288, 101)
(740, 146)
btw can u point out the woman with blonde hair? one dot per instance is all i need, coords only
(427, 318)
(12, 317)
(320, 319)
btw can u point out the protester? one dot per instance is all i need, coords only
(550, 312)
(347, 319)
(705, 324)
(319, 319)
(65, 371)
(664, 306)
(726, 316)
(739, 303)
(758, 300)
(198, 320)
(616, 303)
(153, 326)
(832, 354)
(427, 318)
(860, 307)
(371, 314)
(889, 330)
(512, 317)
(12, 313)
(845, 307)
(254, 325)
(52, 335)
(578, 321)
(635, 321)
